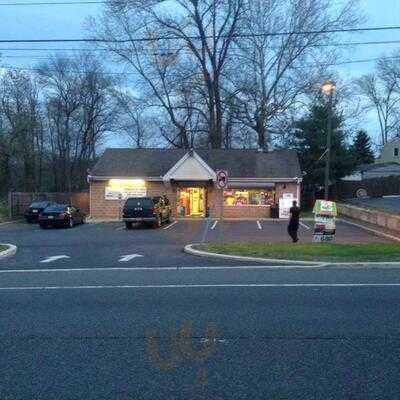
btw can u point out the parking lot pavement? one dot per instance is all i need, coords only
(110, 244)
(277, 231)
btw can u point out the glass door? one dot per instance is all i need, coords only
(191, 202)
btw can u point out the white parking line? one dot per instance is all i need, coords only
(214, 225)
(54, 258)
(170, 225)
(259, 225)
(129, 257)
(189, 286)
(305, 226)
(121, 228)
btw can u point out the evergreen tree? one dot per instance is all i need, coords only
(361, 149)
(309, 139)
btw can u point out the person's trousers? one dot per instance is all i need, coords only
(292, 230)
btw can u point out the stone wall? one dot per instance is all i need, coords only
(375, 217)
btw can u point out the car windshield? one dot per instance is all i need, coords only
(39, 204)
(139, 202)
(56, 208)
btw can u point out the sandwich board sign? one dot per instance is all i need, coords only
(325, 213)
(222, 178)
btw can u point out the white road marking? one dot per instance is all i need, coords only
(170, 225)
(181, 286)
(54, 258)
(214, 340)
(7, 223)
(121, 228)
(134, 269)
(305, 226)
(214, 225)
(259, 225)
(129, 257)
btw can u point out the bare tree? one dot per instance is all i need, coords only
(281, 57)
(381, 89)
(195, 34)
(79, 111)
(22, 127)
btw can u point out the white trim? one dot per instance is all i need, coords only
(169, 175)
(107, 178)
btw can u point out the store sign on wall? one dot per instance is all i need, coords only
(123, 194)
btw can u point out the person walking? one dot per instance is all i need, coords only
(293, 226)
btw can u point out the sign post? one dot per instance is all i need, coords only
(222, 183)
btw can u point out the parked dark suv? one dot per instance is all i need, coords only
(33, 211)
(154, 210)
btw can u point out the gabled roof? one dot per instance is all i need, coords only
(155, 163)
(377, 165)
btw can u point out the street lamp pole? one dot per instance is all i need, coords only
(328, 88)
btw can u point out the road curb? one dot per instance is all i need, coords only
(189, 249)
(9, 252)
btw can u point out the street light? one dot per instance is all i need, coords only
(328, 87)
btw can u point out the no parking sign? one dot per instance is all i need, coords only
(222, 178)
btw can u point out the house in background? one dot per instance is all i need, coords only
(369, 171)
(390, 152)
(257, 181)
(388, 164)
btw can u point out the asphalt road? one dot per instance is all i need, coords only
(166, 325)
(229, 333)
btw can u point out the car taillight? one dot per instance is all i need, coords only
(62, 215)
(153, 211)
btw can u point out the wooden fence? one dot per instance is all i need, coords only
(18, 202)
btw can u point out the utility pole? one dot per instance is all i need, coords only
(328, 88)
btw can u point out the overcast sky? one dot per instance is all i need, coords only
(67, 22)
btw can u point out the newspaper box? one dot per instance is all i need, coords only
(325, 213)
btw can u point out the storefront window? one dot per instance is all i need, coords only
(245, 197)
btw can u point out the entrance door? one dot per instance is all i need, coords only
(191, 202)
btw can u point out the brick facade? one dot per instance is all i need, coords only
(111, 209)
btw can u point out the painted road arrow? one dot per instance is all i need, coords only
(129, 257)
(54, 258)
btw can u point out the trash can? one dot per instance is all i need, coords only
(275, 211)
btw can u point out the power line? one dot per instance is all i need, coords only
(54, 3)
(238, 35)
(343, 44)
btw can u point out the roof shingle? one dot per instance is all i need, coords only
(146, 163)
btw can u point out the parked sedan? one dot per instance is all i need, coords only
(61, 215)
(32, 212)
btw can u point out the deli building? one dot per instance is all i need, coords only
(257, 181)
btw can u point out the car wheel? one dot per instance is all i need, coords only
(70, 223)
(42, 226)
(128, 225)
(158, 222)
(28, 220)
(83, 221)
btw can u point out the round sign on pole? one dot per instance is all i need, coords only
(222, 179)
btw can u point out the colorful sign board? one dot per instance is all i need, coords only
(325, 224)
(324, 207)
